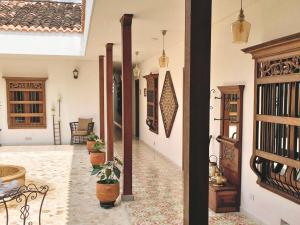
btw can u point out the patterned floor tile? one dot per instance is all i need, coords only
(157, 187)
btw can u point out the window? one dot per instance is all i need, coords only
(276, 158)
(26, 103)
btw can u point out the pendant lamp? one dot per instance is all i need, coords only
(163, 60)
(241, 28)
(136, 69)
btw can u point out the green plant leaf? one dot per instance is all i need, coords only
(99, 167)
(92, 137)
(118, 161)
(95, 171)
(117, 172)
(108, 172)
(99, 144)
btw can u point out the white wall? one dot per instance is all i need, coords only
(170, 147)
(270, 19)
(80, 98)
(41, 43)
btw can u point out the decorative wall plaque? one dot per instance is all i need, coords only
(168, 104)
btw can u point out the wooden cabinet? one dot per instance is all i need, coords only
(223, 199)
(227, 198)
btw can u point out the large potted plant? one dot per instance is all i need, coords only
(108, 186)
(91, 140)
(97, 155)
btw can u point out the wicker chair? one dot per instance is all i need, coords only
(79, 136)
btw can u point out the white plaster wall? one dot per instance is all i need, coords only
(170, 147)
(270, 19)
(80, 98)
(41, 43)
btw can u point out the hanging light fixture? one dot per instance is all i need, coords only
(240, 28)
(163, 60)
(136, 69)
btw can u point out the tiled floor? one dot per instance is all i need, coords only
(157, 185)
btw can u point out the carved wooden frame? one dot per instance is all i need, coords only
(26, 84)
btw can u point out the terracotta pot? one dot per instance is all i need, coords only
(90, 145)
(97, 158)
(107, 194)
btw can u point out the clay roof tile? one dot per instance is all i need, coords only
(40, 16)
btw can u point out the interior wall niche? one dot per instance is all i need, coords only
(276, 158)
(152, 102)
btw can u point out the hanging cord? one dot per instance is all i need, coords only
(163, 41)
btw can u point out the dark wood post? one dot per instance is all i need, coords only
(126, 22)
(101, 96)
(109, 97)
(196, 111)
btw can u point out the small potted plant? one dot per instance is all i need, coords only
(91, 140)
(97, 155)
(108, 186)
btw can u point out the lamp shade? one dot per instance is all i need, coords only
(136, 72)
(163, 60)
(240, 29)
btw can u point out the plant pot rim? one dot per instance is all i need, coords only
(94, 151)
(109, 184)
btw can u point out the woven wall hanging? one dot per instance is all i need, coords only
(168, 104)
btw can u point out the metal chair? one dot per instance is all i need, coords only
(79, 136)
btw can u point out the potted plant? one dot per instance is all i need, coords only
(97, 155)
(91, 140)
(108, 186)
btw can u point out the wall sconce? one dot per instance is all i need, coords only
(75, 73)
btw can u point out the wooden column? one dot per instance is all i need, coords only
(109, 97)
(126, 22)
(196, 111)
(101, 96)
